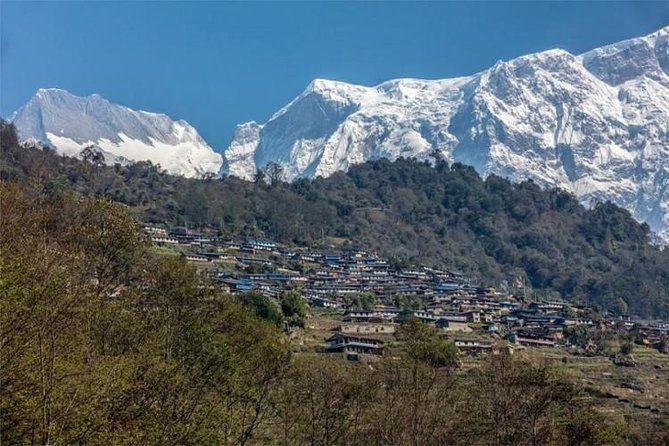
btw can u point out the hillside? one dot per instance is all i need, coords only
(408, 210)
(105, 343)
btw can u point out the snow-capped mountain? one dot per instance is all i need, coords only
(595, 124)
(71, 123)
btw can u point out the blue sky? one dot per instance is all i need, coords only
(217, 64)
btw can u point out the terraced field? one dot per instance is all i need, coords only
(639, 395)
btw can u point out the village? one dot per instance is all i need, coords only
(369, 298)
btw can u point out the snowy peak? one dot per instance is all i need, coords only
(71, 123)
(631, 59)
(332, 89)
(595, 124)
(239, 159)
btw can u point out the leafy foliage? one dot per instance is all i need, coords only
(263, 307)
(424, 345)
(103, 344)
(294, 307)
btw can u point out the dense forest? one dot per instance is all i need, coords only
(410, 211)
(103, 343)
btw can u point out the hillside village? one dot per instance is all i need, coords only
(371, 297)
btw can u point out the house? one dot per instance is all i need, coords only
(473, 317)
(547, 307)
(506, 349)
(196, 258)
(370, 315)
(474, 346)
(164, 240)
(446, 287)
(332, 259)
(491, 328)
(201, 241)
(450, 325)
(454, 317)
(422, 316)
(481, 291)
(263, 245)
(368, 328)
(239, 285)
(155, 231)
(232, 245)
(535, 342)
(324, 302)
(353, 345)
(487, 317)
(531, 341)
(254, 261)
(210, 255)
(310, 257)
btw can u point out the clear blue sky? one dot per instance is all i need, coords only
(219, 64)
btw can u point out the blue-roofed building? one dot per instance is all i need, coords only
(332, 259)
(265, 245)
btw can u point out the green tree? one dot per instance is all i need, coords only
(422, 343)
(626, 347)
(294, 307)
(620, 307)
(263, 306)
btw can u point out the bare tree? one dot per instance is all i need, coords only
(93, 156)
(274, 173)
(259, 176)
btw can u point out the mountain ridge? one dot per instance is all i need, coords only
(594, 124)
(72, 123)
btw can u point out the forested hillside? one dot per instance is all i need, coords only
(446, 215)
(102, 342)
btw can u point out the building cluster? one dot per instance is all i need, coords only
(486, 323)
(327, 278)
(376, 297)
(653, 334)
